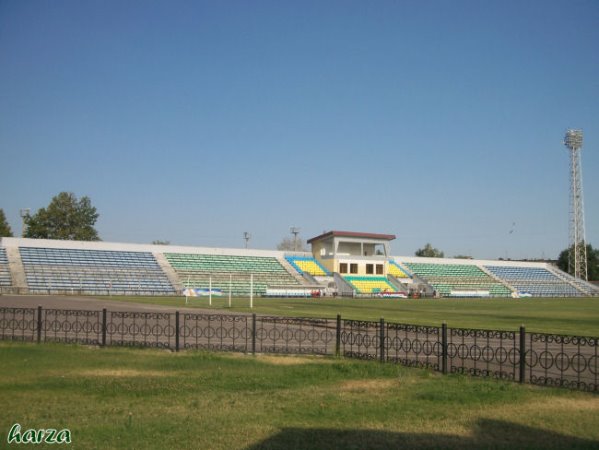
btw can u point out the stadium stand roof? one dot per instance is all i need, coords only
(352, 234)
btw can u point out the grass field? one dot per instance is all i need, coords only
(578, 316)
(130, 398)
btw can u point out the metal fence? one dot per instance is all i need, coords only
(549, 360)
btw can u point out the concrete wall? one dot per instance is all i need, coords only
(469, 262)
(117, 246)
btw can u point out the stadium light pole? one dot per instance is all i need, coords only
(24, 214)
(577, 252)
(247, 236)
(295, 231)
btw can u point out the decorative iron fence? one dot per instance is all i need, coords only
(549, 360)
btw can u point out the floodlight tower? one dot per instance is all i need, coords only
(295, 231)
(24, 213)
(247, 236)
(577, 254)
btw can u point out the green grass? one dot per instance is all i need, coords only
(129, 398)
(578, 316)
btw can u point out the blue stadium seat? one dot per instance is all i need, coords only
(537, 281)
(93, 271)
(5, 278)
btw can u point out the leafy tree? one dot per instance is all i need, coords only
(592, 261)
(289, 244)
(5, 230)
(429, 252)
(159, 242)
(65, 218)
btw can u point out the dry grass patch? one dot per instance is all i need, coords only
(369, 385)
(121, 373)
(553, 405)
(284, 360)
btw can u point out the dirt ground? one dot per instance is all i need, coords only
(81, 302)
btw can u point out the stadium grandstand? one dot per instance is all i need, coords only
(341, 263)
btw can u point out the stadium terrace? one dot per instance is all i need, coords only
(340, 263)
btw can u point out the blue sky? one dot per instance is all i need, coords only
(193, 122)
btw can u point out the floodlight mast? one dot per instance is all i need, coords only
(295, 231)
(247, 236)
(577, 252)
(24, 213)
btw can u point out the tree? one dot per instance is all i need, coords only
(65, 218)
(159, 242)
(592, 262)
(5, 230)
(429, 252)
(289, 244)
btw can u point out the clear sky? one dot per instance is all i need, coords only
(193, 122)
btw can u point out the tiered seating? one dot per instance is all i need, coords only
(5, 278)
(447, 278)
(536, 281)
(234, 272)
(369, 285)
(93, 271)
(585, 287)
(307, 264)
(396, 270)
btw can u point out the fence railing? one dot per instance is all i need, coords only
(536, 358)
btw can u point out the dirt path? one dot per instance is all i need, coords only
(91, 303)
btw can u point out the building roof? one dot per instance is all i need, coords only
(353, 234)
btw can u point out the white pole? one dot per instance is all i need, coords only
(230, 287)
(187, 289)
(251, 291)
(210, 290)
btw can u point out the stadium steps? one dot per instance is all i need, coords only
(343, 287)
(403, 268)
(168, 271)
(397, 271)
(496, 278)
(16, 268)
(327, 281)
(289, 268)
(309, 278)
(420, 283)
(396, 283)
(583, 286)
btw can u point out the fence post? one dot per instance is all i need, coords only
(176, 331)
(338, 337)
(254, 334)
(444, 348)
(382, 339)
(522, 354)
(39, 324)
(104, 326)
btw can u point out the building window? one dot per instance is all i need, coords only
(343, 268)
(379, 269)
(370, 269)
(353, 268)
